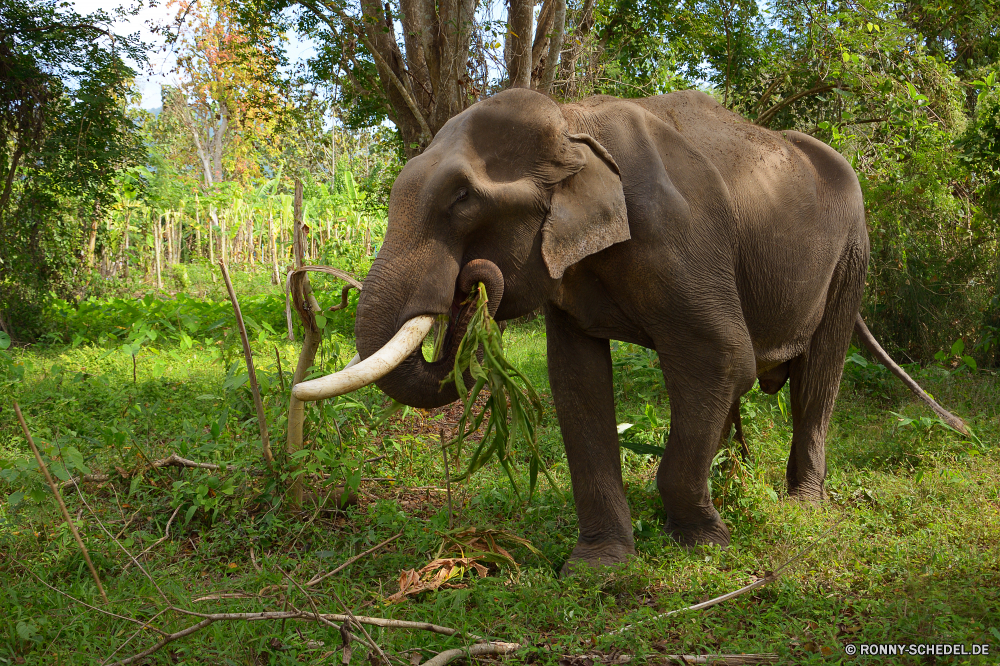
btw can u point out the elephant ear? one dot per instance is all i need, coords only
(587, 212)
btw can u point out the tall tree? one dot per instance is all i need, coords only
(229, 90)
(420, 62)
(64, 89)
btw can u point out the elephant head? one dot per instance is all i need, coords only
(506, 195)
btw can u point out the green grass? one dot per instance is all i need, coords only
(914, 559)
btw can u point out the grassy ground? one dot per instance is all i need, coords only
(905, 551)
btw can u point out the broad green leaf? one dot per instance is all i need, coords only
(640, 447)
(857, 358)
(958, 347)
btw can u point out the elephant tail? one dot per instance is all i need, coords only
(876, 350)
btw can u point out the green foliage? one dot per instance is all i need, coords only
(66, 132)
(914, 553)
(513, 407)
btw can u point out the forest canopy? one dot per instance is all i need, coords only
(91, 184)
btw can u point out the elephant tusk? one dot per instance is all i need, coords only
(407, 340)
(354, 361)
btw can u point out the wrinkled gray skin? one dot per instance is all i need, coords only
(667, 222)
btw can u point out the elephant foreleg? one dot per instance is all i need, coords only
(581, 377)
(701, 407)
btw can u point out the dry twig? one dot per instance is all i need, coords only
(354, 621)
(173, 460)
(769, 578)
(258, 403)
(166, 535)
(447, 477)
(316, 579)
(141, 623)
(724, 659)
(477, 650)
(62, 505)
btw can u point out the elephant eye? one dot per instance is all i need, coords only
(463, 194)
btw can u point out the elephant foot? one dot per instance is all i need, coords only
(596, 555)
(808, 493)
(689, 536)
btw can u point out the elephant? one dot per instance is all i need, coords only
(733, 251)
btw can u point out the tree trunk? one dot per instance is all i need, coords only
(539, 47)
(275, 276)
(212, 221)
(197, 225)
(519, 56)
(305, 306)
(128, 217)
(181, 103)
(555, 47)
(585, 23)
(251, 238)
(430, 84)
(169, 228)
(92, 240)
(298, 239)
(218, 138)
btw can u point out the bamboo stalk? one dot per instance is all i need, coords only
(197, 223)
(170, 237)
(275, 275)
(158, 243)
(62, 505)
(223, 237)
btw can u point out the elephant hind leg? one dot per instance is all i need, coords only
(815, 379)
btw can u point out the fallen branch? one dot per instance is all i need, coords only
(166, 535)
(59, 499)
(716, 659)
(117, 542)
(145, 624)
(173, 460)
(206, 619)
(724, 659)
(130, 638)
(169, 638)
(477, 650)
(86, 478)
(349, 562)
(385, 623)
(769, 578)
(354, 621)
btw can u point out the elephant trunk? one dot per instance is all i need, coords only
(416, 381)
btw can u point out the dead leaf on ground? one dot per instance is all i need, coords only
(461, 551)
(436, 574)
